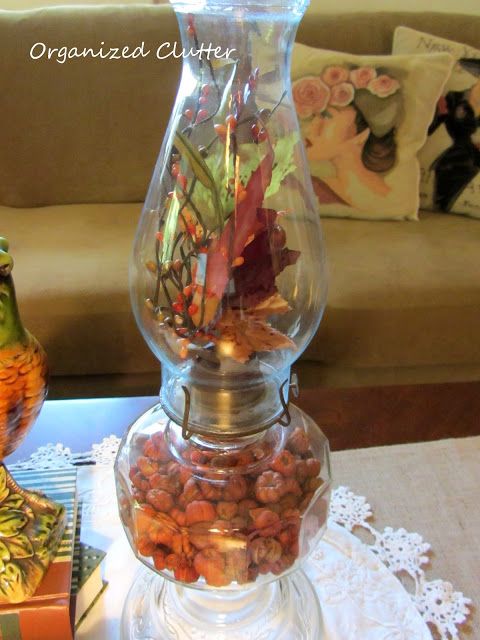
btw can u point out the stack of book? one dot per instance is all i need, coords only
(87, 583)
(73, 581)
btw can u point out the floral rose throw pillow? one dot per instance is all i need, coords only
(363, 120)
(450, 159)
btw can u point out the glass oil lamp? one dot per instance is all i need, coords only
(223, 487)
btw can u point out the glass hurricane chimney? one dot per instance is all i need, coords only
(227, 278)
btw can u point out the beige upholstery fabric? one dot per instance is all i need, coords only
(89, 130)
(400, 294)
(71, 276)
(368, 33)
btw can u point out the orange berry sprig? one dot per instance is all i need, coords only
(201, 113)
(183, 311)
(191, 26)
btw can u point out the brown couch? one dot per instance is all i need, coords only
(78, 144)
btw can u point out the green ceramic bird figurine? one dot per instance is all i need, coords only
(23, 365)
(31, 525)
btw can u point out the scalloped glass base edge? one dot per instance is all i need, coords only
(157, 609)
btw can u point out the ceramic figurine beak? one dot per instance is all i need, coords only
(6, 263)
(6, 260)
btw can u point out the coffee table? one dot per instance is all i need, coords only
(431, 487)
(385, 415)
(351, 418)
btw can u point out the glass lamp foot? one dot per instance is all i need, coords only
(157, 609)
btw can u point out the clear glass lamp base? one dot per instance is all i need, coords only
(157, 609)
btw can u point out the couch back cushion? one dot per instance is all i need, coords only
(372, 33)
(89, 130)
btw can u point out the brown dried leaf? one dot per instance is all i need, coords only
(275, 304)
(242, 335)
(263, 337)
(233, 340)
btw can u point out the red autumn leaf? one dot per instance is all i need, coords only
(262, 263)
(238, 229)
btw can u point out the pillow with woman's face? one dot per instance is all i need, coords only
(363, 120)
(450, 159)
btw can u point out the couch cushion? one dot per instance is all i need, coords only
(88, 129)
(370, 172)
(450, 158)
(372, 33)
(400, 294)
(71, 276)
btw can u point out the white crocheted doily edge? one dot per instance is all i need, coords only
(442, 608)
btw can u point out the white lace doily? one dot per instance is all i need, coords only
(442, 608)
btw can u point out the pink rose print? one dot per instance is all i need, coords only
(361, 77)
(310, 95)
(383, 86)
(342, 94)
(334, 75)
